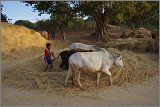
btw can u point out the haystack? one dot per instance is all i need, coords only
(115, 32)
(112, 27)
(133, 44)
(135, 70)
(20, 41)
(137, 33)
(155, 33)
(125, 34)
(44, 34)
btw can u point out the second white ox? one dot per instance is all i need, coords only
(97, 62)
(94, 48)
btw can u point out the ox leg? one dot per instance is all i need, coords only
(62, 64)
(98, 77)
(67, 66)
(73, 78)
(111, 80)
(78, 80)
(67, 76)
(110, 77)
(72, 75)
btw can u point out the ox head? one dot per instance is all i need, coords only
(118, 59)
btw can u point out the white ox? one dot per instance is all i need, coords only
(97, 62)
(94, 48)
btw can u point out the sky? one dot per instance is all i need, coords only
(18, 11)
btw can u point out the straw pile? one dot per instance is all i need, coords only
(137, 33)
(137, 68)
(44, 34)
(133, 44)
(20, 41)
(155, 33)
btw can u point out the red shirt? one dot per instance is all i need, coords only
(47, 53)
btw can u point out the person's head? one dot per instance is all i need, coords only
(48, 45)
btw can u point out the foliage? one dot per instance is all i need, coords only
(3, 16)
(44, 25)
(25, 23)
(64, 14)
(135, 12)
(61, 11)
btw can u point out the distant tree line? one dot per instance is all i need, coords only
(4, 18)
(66, 15)
(132, 13)
(48, 24)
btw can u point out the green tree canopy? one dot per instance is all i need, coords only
(103, 12)
(3, 16)
(25, 23)
(61, 11)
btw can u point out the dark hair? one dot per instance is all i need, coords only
(48, 44)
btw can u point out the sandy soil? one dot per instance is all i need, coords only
(146, 93)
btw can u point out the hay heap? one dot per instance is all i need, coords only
(44, 34)
(18, 40)
(137, 68)
(116, 32)
(133, 44)
(137, 33)
(155, 33)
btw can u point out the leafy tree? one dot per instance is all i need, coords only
(44, 25)
(76, 23)
(25, 23)
(61, 11)
(103, 12)
(117, 12)
(3, 16)
(90, 19)
(138, 12)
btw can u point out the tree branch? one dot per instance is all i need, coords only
(149, 17)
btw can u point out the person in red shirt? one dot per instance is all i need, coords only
(47, 56)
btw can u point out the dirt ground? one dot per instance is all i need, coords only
(145, 94)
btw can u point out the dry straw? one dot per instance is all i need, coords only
(20, 41)
(137, 68)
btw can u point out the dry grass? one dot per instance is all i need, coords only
(137, 68)
(137, 33)
(44, 34)
(16, 39)
(133, 44)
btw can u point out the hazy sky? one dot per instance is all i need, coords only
(18, 11)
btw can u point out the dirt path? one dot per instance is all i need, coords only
(146, 93)
(9, 64)
(142, 94)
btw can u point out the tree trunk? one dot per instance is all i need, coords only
(100, 30)
(138, 22)
(63, 35)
